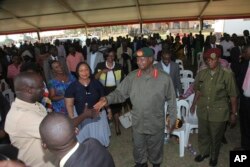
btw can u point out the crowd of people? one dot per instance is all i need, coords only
(63, 86)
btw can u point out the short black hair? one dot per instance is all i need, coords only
(106, 53)
(79, 65)
(30, 66)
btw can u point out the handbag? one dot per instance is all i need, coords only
(126, 119)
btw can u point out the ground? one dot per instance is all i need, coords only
(122, 150)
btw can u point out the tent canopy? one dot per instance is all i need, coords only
(18, 16)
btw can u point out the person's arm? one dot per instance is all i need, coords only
(196, 97)
(87, 113)
(233, 114)
(172, 108)
(53, 96)
(119, 95)
(69, 103)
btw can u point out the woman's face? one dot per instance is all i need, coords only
(111, 57)
(84, 72)
(57, 68)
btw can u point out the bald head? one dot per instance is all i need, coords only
(29, 86)
(57, 132)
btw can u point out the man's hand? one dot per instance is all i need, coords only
(171, 129)
(100, 104)
(90, 113)
(233, 120)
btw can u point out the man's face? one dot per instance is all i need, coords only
(144, 62)
(38, 88)
(212, 63)
(166, 58)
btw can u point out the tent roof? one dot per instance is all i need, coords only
(41, 15)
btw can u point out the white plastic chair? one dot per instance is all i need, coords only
(178, 132)
(186, 74)
(9, 95)
(186, 82)
(191, 121)
(179, 61)
(181, 67)
(3, 84)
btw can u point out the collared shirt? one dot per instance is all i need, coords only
(72, 61)
(22, 124)
(227, 45)
(61, 51)
(13, 71)
(110, 76)
(165, 67)
(148, 94)
(67, 156)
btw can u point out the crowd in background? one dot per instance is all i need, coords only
(64, 65)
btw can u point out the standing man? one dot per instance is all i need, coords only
(172, 68)
(214, 87)
(59, 136)
(148, 89)
(243, 79)
(23, 120)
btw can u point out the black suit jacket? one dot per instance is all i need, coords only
(90, 153)
(235, 57)
(241, 75)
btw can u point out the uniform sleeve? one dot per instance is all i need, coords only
(196, 82)
(231, 86)
(171, 100)
(121, 93)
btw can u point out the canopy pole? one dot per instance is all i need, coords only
(201, 24)
(140, 27)
(86, 31)
(38, 35)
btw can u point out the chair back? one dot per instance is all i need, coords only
(179, 61)
(9, 95)
(182, 109)
(186, 82)
(181, 67)
(186, 74)
(3, 85)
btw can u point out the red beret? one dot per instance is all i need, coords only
(212, 53)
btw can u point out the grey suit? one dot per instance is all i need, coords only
(174, 74)
(98, 59)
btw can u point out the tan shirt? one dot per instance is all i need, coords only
(22, 125)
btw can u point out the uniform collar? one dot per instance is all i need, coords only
(154, 73)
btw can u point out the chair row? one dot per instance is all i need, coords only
(190, 122)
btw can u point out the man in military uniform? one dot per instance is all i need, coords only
(148, 89)
(214, 87)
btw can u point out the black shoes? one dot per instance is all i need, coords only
(200, 158)
(213, 162)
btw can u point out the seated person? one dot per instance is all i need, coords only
(59, 136)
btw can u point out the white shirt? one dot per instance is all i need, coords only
(166, 68)
(92, 61)
(67, 156)
(227, 45)
(110, 76)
